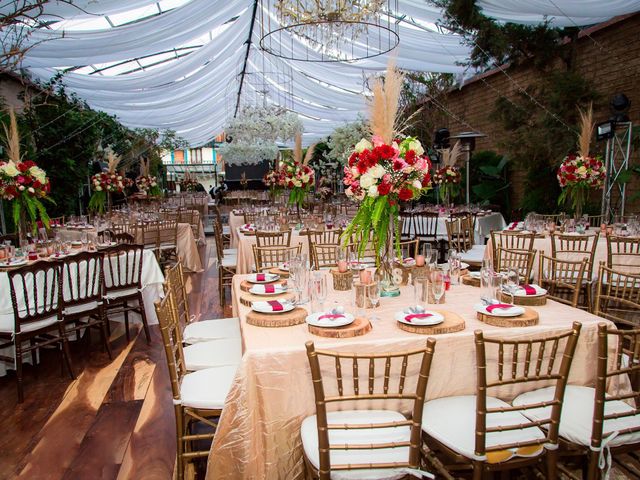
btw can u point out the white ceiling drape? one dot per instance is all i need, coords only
(191, 94)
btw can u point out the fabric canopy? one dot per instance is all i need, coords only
(190, 93)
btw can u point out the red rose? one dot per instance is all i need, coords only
(570, 168)
(353, 158)
(571, 177)
(385, 151)
(362, 166)
(397, 165)
(290, 185)
(410, 157)
(28, 164)
(384, 188)
(405, 194)
(23, 167)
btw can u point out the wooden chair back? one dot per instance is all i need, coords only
(130, 228)
(544, 359)
(625, 366)
(575, 247)
(249, 217)
(35, 292)
(9, 237)
(521, 260)
(274, 256)
(323, 256)
(123, 267)
(596, 220)
(170, 215)
(406, 226)
(618, 297)
(273, 239)
(409, 248)
(352, 388)
(460, 233)
(167, 233)
(561, 278)
(623, 254)
(511, 240)
(82, 279)
(326, 237)
(217, 232)
(174, 283)
(172, 340)
(425, 226)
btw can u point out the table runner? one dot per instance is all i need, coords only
(258, 434)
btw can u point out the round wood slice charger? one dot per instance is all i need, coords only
(360, 326)
(468, 280)
(246, 286)
(528, 319)
(247, 298)
(274, 320)
(277, 271)
(452, 323)
(529, 301)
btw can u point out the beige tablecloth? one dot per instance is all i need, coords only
(245, 261)
(258, 435)
(235, 221)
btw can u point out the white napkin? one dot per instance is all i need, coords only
(521, 292)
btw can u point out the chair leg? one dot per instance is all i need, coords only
(125, 306)
(478, 470)
(65, 351)
(103, 332)
(220, 286)
(18, 351)
(143, 314)
(179, 412)
(593, 472)
(552, 464)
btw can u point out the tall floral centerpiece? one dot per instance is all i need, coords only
(147, 183)
(105, 183)
(274, 181)
(448, 179)
(579, 173)
(189, 183)
(382, 172)
(297, 175)
(23, 183)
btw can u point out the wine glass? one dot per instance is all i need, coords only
(373, 294)
(319, 288)
(437, 285)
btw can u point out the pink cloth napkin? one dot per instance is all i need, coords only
(275, 305)
(331, 316)
(269, 289)
(513, 225)
(260, 277)
(417, 316)
(529, 290)
(498, 306)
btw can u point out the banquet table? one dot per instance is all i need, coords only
(186, 242)
(235, 221)
(245, 261)
(152, 280)
(484, 224)
(258, 434)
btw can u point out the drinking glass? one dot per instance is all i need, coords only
(437, 285)
(420, 292)
(373, 294)
(106, 237)
(454, 268)
(84, 239)
(319, 288)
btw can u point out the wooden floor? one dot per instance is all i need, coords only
(115, 421)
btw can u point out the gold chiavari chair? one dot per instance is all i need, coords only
(563, 279)
(461, 235)
(196, 331)
(198, 397)
(250, 217)
(502, 438)
(618, 297)
(130, 228)
(172, 215)
(577, 247)
(409, 248)
(384, 443)
(35, 292)
(273, 239)
(521, 260)
(623, 254)
(613, 419)
(596, 220)
(323, 255)
(326, 237)
(226, 264)
(274, 256)
(192, 217)
(511, 240)
(224, 229)
(123, 284)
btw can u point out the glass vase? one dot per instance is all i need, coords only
(387, 273)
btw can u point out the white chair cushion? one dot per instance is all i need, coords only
(475, 255)
(309, 435)
(577, 414)
(230, 251)
(214, 353)
(7, 324)
(121, 293)
(226, 230)
(229, 261)
(206, 330)
(452, 421)
(207, 388)
(80, 308)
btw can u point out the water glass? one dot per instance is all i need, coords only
(318, 289)
(373, 294)
(437, 285)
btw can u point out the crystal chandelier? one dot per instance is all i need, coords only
(328, 30)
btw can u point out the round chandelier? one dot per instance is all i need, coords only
(328, 30)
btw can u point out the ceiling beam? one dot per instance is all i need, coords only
(246, 57)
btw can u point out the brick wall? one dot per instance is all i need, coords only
(608, 57)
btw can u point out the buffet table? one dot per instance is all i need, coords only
(258, 434)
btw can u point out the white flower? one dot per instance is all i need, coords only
(21, 188)
(377, 171)
(373, 191)
(38, 174)
(9, 169)
(362, 145)
(416, 146)
(31, 190)
(366, 180)
(98, 188)
(417, 184)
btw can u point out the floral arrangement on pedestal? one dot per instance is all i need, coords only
(297, 175)
(448, 179)
(324, 190)
(104, 184)
(23, 183)
(274, 181)
(382, 172)
(244, 182)
(581, 172)
(147, 183)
